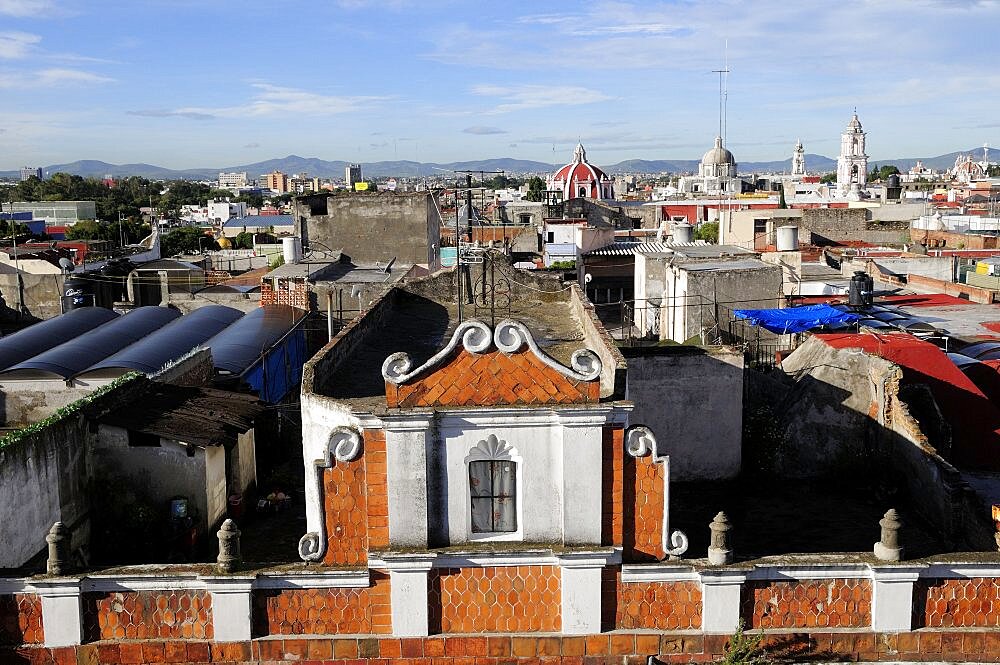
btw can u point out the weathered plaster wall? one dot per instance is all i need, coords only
(692, 399)
(24, 401)
(371, 227)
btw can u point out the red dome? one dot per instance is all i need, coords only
(580, 178)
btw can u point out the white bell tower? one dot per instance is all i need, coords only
(799, 159)
(852, 165)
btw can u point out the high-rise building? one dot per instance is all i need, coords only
(276, 181)
(352, 174)
(30, 171)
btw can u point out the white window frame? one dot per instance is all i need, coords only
(492, 449)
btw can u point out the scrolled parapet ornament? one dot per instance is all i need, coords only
(510, 336)
(639, 442)
(474, 336)
(344, 445)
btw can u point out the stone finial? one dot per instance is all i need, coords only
(720, 548)
(888, 548)
(58, 539)
(229, 547)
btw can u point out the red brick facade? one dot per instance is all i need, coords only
(324, 611)
(840, 603)
(612, 490)
(346, 513)
(965, 603)
(491, 379)
(658, 605)
(495, 599)
(613, 649)
(643, 506)
(294, 292)
(21, 619)
(140, 615)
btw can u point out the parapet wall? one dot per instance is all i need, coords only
(678, 612)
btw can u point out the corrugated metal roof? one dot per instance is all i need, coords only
(42, 336)
(170, 342)
(620, 248)
(74, 356)
(238, 347)
(259, 220)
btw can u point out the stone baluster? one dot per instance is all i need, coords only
(58, 539)
(720, 548)
(889, 548)
(229, 547)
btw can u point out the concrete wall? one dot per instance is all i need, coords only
(43, 480)
(23, 402)
(40, 294)
(935, 267)
(188, 302)
(372, 227)
(156, 473)
(692, 399)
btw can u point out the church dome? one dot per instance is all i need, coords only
(581, 178)
(854, 125)
(718, 155)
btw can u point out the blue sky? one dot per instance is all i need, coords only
(186, 83)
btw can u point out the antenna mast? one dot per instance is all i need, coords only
(723, 97)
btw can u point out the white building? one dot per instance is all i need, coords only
(799, 159)
(233, 180)
(852, 165)
(224, 210)
(716, 173)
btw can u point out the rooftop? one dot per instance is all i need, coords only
(420, 317)
(198, 416)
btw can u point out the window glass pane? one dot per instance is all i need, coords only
(505, 514)
(482, 515)
(480, 479)
(503, 478)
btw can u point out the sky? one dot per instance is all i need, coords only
(190, 83)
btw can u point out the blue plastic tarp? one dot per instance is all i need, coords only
(796, 319)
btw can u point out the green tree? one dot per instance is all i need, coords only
(707, 231)
(243, 240)
(536, 189)
(828, 178)
(186, 239)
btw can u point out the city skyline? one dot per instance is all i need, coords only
(186, 85)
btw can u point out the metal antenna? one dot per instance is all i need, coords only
(722, 97)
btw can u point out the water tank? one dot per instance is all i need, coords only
(291, 248)
(683, 232)
(788, 238)
(860, 291)
(77, 292)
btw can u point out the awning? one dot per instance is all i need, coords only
(796, 319)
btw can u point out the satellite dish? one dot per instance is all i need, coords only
(66, 264)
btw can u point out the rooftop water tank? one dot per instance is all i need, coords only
(683, 232)
(291, 249)
(788, 238)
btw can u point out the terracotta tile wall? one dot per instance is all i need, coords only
(965, 603)
(292, 292)
(346, 511)
(139, 615)
(611, 489)
(643, 509)
(495, 599)
(324, 611)
(658, 605)
(21, 619)
(843, 603)
(490, 379)
(378, 498)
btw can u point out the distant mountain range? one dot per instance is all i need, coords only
(407, 169)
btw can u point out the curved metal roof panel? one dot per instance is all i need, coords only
(238, 347)
(72, 357)
(979, 349)
(42, 336)
(170, 342)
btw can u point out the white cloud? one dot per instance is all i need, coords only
(47, 78)
(17, 45)
(25, 7)
(480, 130)
(521, 97)
(275, 100)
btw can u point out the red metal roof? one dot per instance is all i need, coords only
(974, 419)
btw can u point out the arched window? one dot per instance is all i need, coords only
(494, 474)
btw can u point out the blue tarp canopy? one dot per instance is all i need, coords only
(796, 319)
